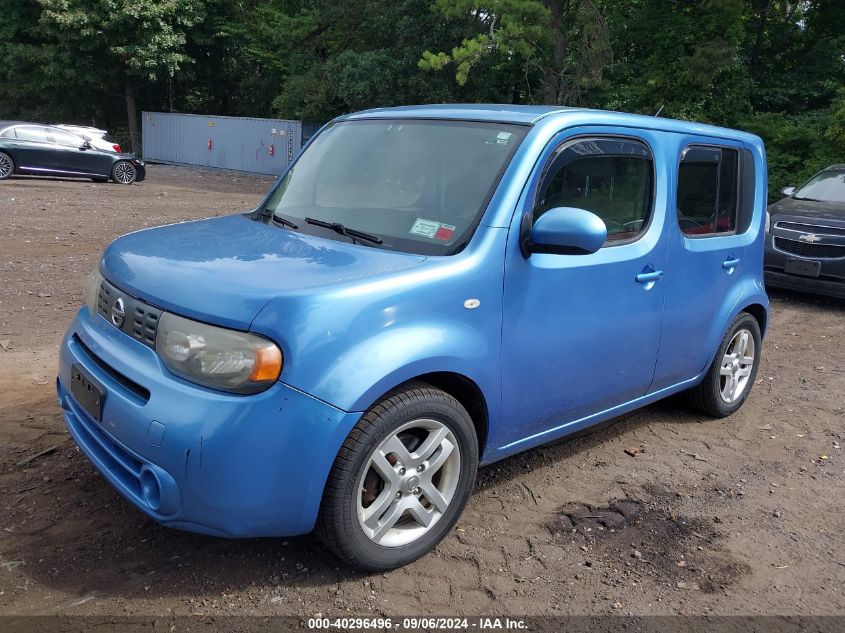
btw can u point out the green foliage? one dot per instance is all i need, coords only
(769, 66)
(508, 28)
(142, 37)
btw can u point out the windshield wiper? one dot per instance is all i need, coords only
(284, 222)
(337, 227)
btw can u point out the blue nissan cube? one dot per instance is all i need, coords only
(426, 290)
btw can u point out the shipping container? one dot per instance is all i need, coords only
(263, 146)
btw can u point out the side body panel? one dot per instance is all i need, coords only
(28, 154)
(703, 292)
(73, 159)
(580, 333)
(355, 341)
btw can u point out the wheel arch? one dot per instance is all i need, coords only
(760, 313)
(463, 389)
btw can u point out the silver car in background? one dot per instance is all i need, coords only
(98, 138)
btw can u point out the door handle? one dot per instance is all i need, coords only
(730, 263)
(649, 277)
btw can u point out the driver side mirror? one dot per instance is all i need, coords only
(567, 231)
(788, 191)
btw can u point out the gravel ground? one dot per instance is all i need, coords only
(736, 516)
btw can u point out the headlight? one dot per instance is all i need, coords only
(217, 357)
(768, 222)
(92, 290)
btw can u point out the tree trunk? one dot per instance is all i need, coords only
(762, 9)
(553, 75)
(131, 114)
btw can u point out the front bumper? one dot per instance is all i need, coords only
(780, 279)
(830, 282)
(194, 458)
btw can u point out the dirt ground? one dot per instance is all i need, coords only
(738, 516)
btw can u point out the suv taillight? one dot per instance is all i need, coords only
(116, 148)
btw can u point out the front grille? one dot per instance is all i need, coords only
(140, 320)
(142, 394)
(811, 228)
(804, 249)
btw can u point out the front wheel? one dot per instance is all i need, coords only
(7, 166)
(733, 370)
(400, 480)
(124, 172)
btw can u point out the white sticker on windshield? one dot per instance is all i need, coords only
(503, 137)
(424, 228)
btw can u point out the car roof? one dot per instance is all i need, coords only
(8, 124)
(495, 112)
(5, 124)
(89, 128)
(533, 114)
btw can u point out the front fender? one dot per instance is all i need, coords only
(373, 366)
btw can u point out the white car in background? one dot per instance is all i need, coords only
(97, 137)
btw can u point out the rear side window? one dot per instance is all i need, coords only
(715, 190)
(31, 133)
(61, 137)
(613, 178)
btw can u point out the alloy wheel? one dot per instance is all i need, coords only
(124, 173)
(408, 483)
(5, 166)
(737, 363)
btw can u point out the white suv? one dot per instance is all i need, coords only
(97, 137)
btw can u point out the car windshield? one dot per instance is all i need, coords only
(418, 185)
(827, 186)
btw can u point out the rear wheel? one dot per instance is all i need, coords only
(7, 166)
(400, 480)
(124, 172)
(733, 370)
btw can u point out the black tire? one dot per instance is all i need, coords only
(707, 396)
(338, 525)
(123, 172)
(7, 166)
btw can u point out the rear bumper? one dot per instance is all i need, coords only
(193, 458)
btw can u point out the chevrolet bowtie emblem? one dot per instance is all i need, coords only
(810, 237)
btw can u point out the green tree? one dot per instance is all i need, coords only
(121, 41)
(563, 43)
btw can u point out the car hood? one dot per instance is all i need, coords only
(809, 209)
(225, 270)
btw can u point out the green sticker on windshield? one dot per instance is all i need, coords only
(424, 228)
